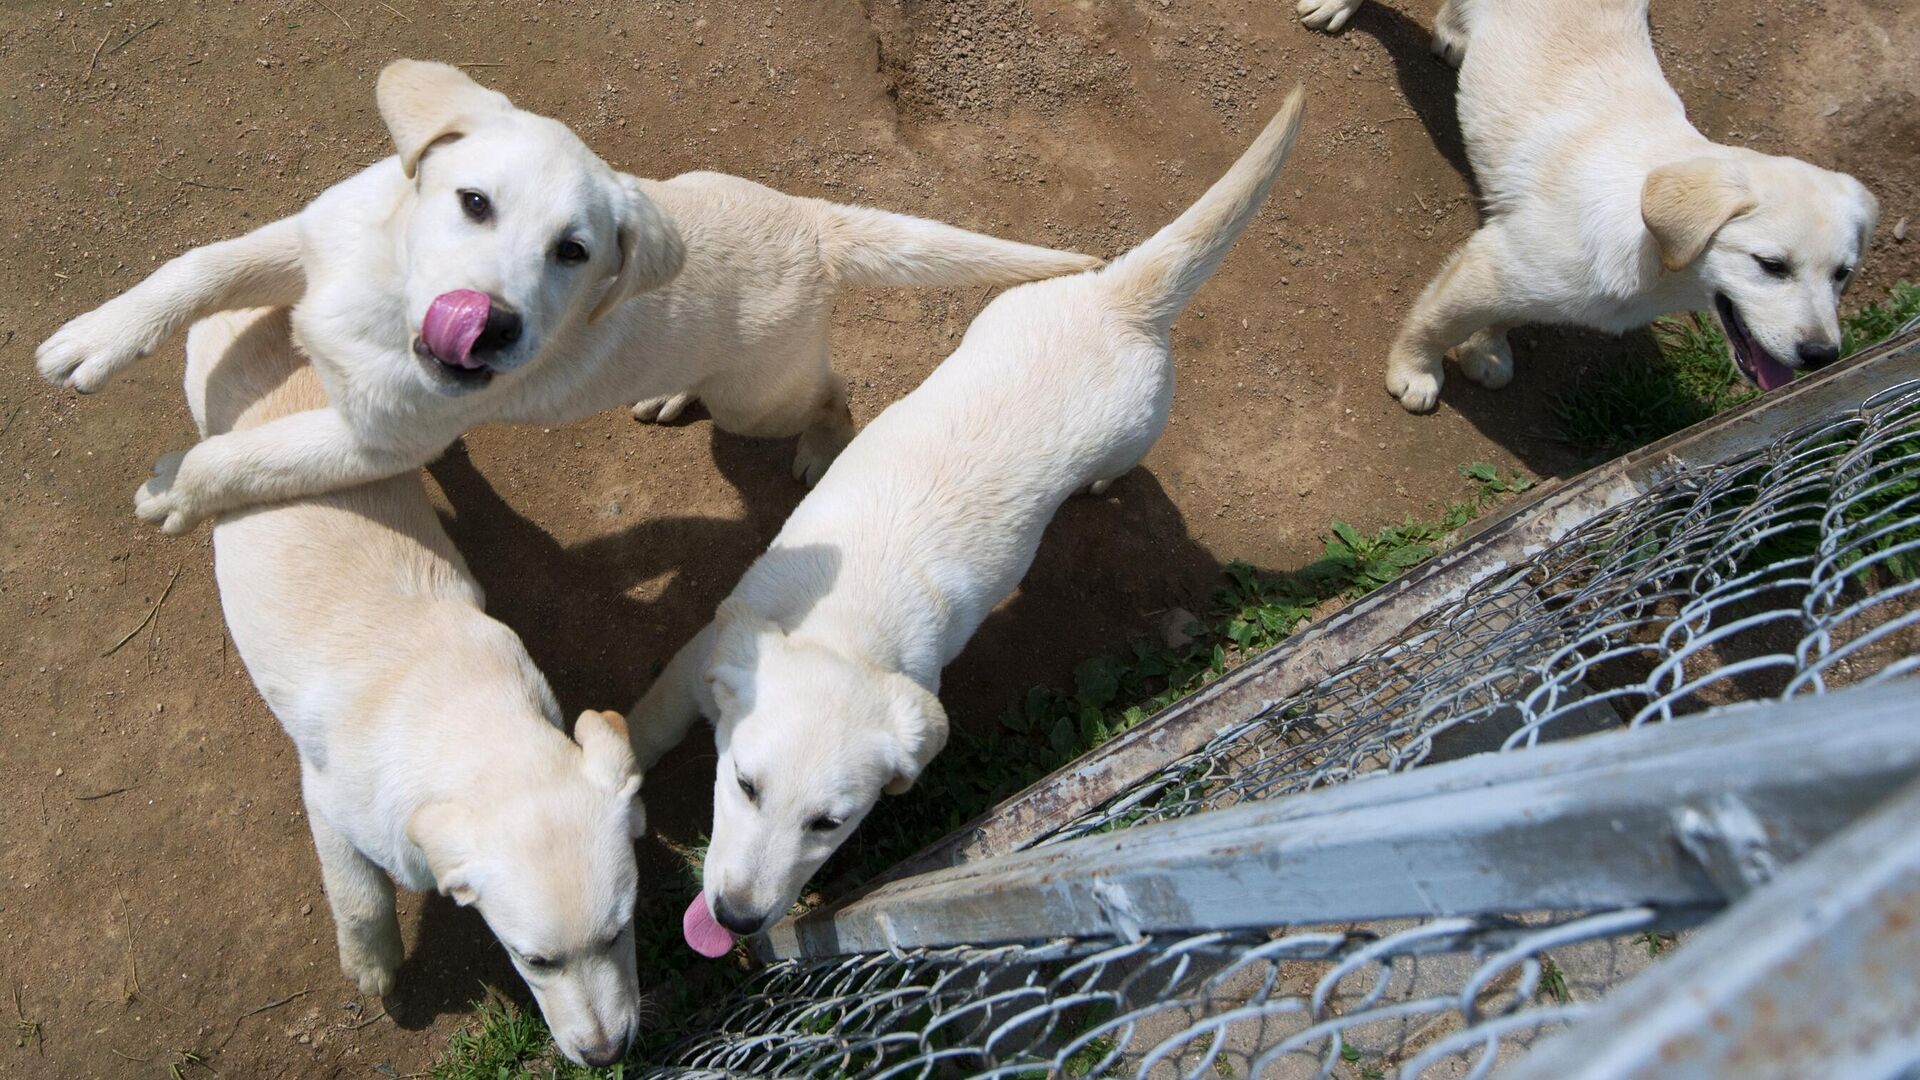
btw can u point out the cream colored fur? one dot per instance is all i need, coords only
(704, 285)
(1606, 208)
(821, 670)
(431, 750)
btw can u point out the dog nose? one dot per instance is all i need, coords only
(735, 920)
(1814, 357)
(501, 331)
(599, 1057)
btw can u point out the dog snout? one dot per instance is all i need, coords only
(501, 332)
(1814, 356)
(735, 919)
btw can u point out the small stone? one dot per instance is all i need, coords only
(1900, 230)
(306, 909)
(1173, 628)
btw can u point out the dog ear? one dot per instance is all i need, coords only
(651, 251)
(423, 103)
(1685, 203)
(1870, 216)
(608, 759)
(739, 633)
(439, 830)
(920, 723)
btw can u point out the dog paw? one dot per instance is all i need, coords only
(1418, 391)
(1327, 15)
(87, 351)
(810, 463)
(371, 962)
(1448, 45)
(162, 500)
(662, 410)
(1487, 359)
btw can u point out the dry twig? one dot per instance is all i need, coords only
(168, 591)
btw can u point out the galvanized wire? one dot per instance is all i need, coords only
(1789, 570)
(1295, 1003)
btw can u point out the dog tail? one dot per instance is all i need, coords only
(864, 246)
(1156, 279)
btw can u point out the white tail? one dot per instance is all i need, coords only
(863, 246)
(1157, 278)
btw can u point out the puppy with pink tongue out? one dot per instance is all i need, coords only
(495, 269)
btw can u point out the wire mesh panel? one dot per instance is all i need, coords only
(1778, 571)
(1296, 1003)
(1787, 571)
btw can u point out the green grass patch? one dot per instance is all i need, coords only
(1632, 402)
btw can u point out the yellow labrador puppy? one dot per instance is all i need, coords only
(821, 670)
(1606, 208)
(495, 269)
(431, 750)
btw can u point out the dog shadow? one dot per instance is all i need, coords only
(1106, 567)
(1428, 83)
(1555, 374)
(599, 647)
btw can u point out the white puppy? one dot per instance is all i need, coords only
(820, 670)
(1606, 208)
(431, 749)
(495, 269)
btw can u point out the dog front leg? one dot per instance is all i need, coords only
(1468, 296)
(308, 453)
(660, 719)
(260, 269)
(361, 896)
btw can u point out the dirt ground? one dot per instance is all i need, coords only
(159, 900)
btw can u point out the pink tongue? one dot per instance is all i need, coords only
(1768, 372)
(453, 323)
(704, 936)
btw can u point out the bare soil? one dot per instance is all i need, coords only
(159, 900)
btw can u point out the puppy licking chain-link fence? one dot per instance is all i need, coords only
(1309, 869)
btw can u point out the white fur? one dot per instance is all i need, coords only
(1593, 177)
(704, 285)
(820, 671)
(431, 750)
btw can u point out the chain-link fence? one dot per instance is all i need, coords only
(1772, 555)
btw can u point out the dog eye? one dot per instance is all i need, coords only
(823, 824)
(1773, 267)
(746, 788)
(540, 963)
(1842, 273)
(475, 204)
(570, 251)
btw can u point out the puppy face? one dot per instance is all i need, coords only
(808, 741)
(547, 859)
(1775, 242)
(517, 234)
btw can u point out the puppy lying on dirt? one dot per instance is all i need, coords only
(431, 749)
(1606, 208)
(495, 269)
(820, 670)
